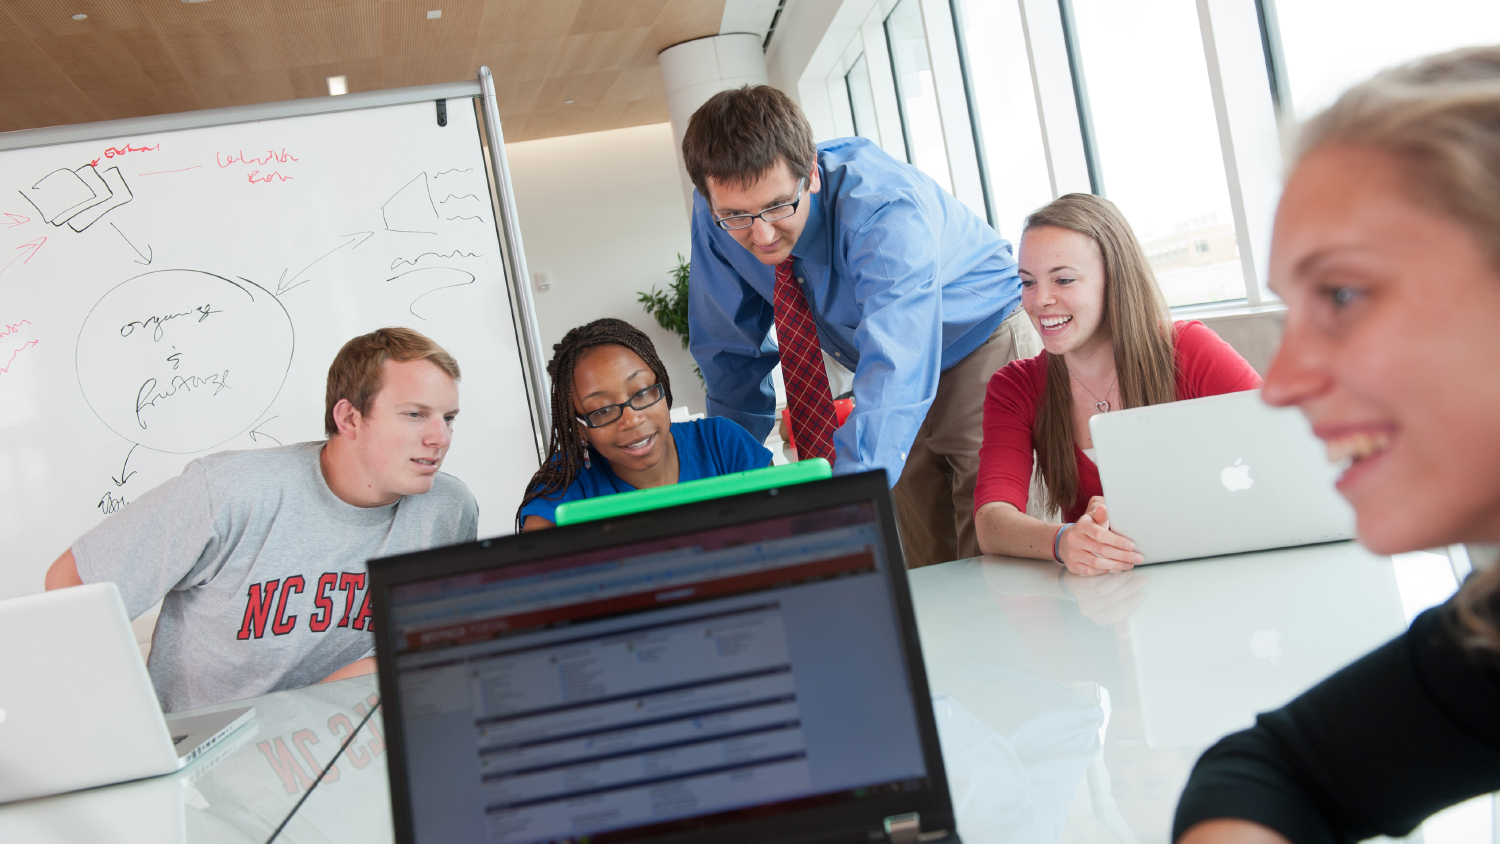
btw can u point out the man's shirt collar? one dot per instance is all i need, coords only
(812, 244)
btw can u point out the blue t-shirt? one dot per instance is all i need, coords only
(706, 448)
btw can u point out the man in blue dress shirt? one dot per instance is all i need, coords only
(905, 286)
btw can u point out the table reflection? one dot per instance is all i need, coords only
(239, 791)
(1072, 708)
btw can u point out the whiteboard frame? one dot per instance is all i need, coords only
(508, 228)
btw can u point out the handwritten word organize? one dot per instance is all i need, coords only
(158, 323)
(147, 396)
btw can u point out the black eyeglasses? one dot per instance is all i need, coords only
(611, 413)
(770, 215)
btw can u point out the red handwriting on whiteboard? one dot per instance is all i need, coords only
(239, 157)
(7, 330)
(5, 370)
(115, 152)
(254, 176)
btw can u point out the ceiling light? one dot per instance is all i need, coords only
(338, 85)
(567, 102)
(434, 14)
(80, 17)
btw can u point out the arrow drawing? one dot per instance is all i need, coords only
(355, 241)
(16, 220)
(149, 256)
(124, 476)
(258, 432)
(35, 246)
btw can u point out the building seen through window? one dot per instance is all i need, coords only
(1158, 142)
(1005, 105)
(916, 92)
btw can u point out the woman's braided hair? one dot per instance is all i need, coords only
(565, 450)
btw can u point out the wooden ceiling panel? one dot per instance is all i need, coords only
(326, 36)
(637, 83)
(607, 15)
(132, 58)
(506, 21)
(585, 91)
(406, 31)
(599, 51)
(558, 121)
(43, 18)
(425, 69)
(684, 20)
(107, 60)
(312, 80)
(157, 98)
(243, 88)
(516, 97)
(31, 108)
(519, 60)
(201, 50)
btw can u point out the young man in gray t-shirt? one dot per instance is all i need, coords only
(259, 556)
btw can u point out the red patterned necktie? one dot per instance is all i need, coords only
(813, 420)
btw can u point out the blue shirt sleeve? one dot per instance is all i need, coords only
(728, 327)
(900, 338)
(547, 507)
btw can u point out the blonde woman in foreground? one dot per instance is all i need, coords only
(1387, 252)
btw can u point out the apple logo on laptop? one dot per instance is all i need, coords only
(1236, 477)
(1266, 645)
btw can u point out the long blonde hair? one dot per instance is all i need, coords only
(1439, 117)
(1140, 326)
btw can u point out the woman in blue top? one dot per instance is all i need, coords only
(611, 431)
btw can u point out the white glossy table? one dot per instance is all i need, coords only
(1070, 710)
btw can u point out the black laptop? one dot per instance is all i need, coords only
(742, 669)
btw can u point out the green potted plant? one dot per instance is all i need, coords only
(670, 306)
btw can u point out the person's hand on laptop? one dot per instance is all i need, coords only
(1090, 547)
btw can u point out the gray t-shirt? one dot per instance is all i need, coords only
(261, 568)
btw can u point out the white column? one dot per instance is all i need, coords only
(696, 70)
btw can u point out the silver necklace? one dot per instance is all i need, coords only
(1101, 405)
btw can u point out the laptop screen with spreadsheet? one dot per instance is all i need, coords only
(641, 690)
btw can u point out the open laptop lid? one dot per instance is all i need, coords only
(743, 669)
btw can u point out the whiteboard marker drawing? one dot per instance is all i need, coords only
(431, 280)
(78, 197)
(181, 361)
(356, 240)
(454, 254)
(411, 209)
(442, 173)
(148, 255)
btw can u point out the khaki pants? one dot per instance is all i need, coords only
(935, 496)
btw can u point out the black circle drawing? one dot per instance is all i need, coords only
(182, 361)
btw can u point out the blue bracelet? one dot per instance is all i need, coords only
(1057, 540)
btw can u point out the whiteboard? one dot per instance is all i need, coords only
(165, 296)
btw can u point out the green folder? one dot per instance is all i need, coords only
(609, 506)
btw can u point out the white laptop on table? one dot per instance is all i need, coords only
(1218, 475)
(77, 708)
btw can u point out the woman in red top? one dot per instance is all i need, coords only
(1109, 344)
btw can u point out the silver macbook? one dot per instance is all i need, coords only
(1218, 475)
(77, 708)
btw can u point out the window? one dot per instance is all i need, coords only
(1329, 45)
(1158, 144)
(862, 100)
(916, 92)
(1005, 105)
